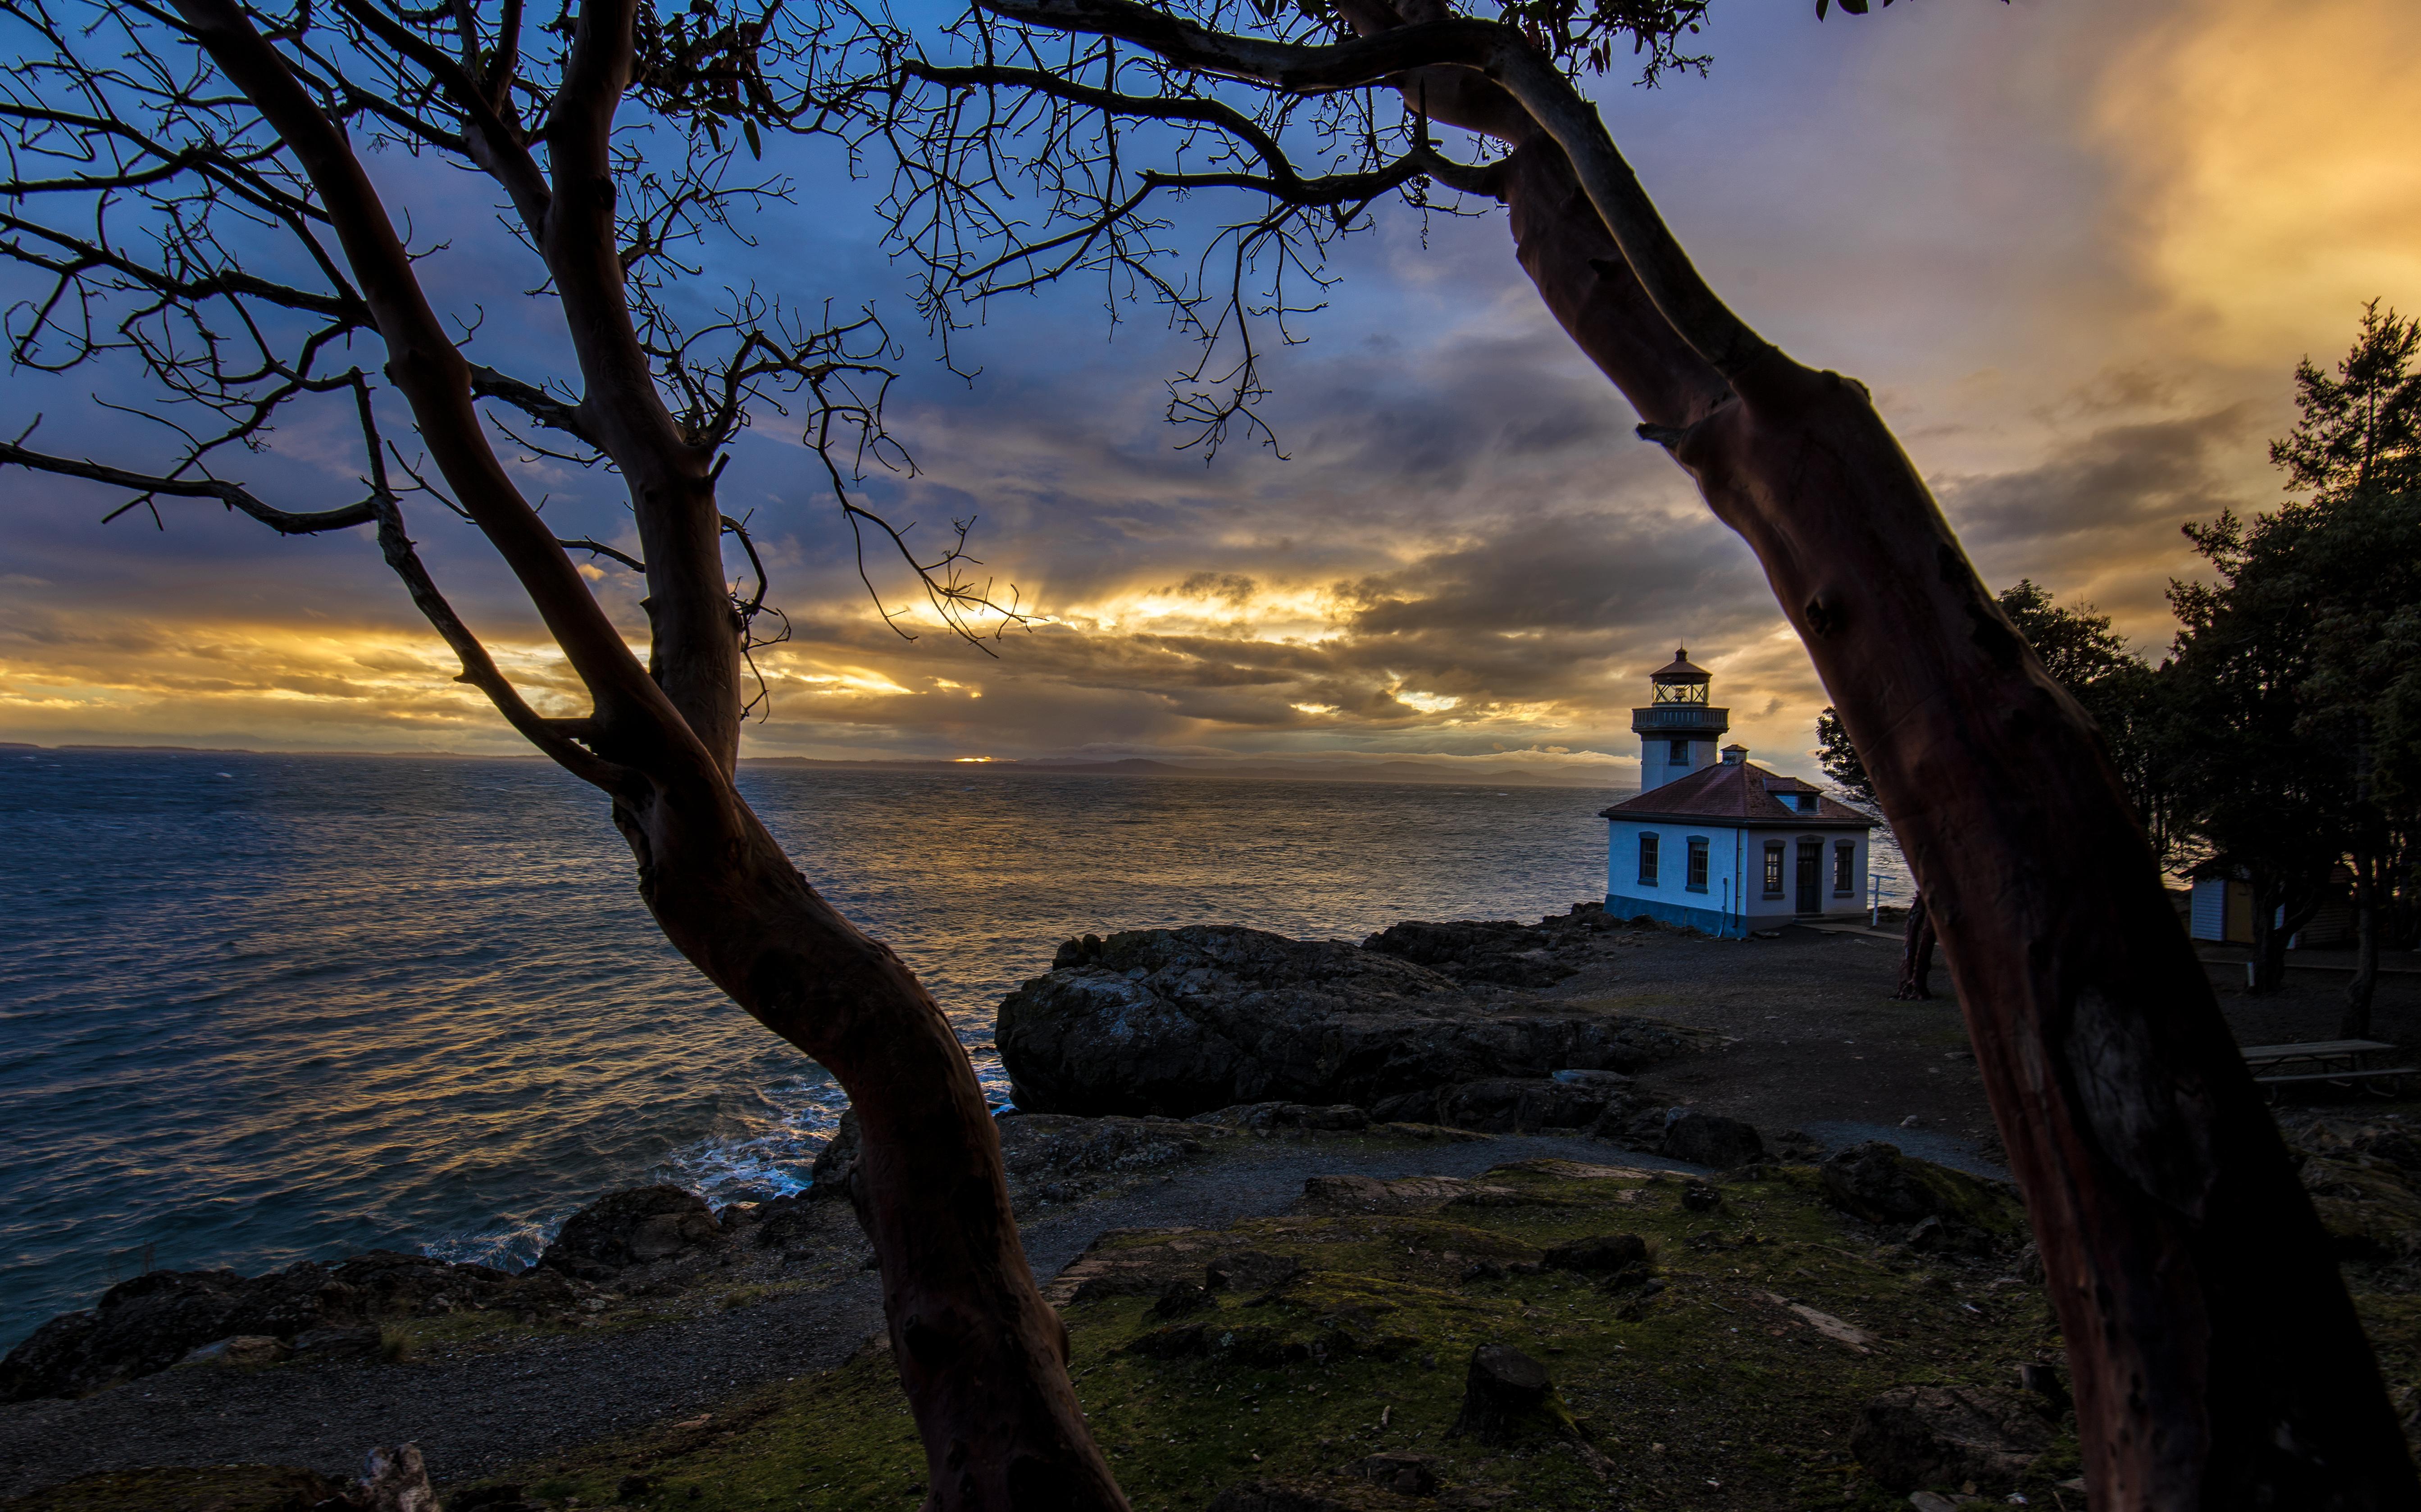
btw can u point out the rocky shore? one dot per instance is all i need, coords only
(1432, 1023)
(1310, 1175)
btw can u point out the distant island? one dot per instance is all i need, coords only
(1398, 770)
(1605, 776)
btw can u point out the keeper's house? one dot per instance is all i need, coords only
(1716, 842)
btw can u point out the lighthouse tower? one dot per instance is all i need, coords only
(1677, 730)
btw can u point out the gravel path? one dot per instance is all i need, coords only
(474, 1416)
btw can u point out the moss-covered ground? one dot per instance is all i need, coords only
(1732, 1384)
(1728, 1375)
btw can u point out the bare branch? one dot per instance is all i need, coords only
(1499, 53)
(232, 495)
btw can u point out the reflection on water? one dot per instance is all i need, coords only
(258, 1008)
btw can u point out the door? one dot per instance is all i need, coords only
(1811, 876)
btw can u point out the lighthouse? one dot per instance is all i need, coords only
(1716, 842)
(1679, 731)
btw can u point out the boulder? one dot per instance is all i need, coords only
(1506, 1392)
(1877, 1182)
(395, 1285)
(796, 1225)
(1912, 1437)
(166, 1318)
(156, 1319)
(1250, 1271)
(1498, 951)
(1183, 1022)
(1182, 1298)
(1712, 1139)
(633, 1228)
(2363, 1175)
(1597, 1252)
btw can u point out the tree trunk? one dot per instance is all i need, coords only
(982, 1357)
(2217, 1359)
(2280, 911)
(1916, 955)
(2357, 1022)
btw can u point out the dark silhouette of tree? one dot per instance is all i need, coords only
(2089, 658)
(1839, 757)
(187, 183)
(2217, 1359)
(2294, 666)
(2129, 701)
(2361, 429)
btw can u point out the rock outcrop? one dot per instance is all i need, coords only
(1949, 1210)
(638, 1227)
(1055, 1159)
(1711, 1139)
(166, 1317)
(2365, 1178)
(1183, 1022)
(1930, 1436)
(1498, 951)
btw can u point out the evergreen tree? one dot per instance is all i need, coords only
(2361, 429)
(2301, 664)
(2086, 656)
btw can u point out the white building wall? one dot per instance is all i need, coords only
(1733, 899)
(1657, 766)
(1763, 910)
(1670, 897)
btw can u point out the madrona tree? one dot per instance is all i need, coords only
(2217, 1361)
(187, 188)
(188, 196)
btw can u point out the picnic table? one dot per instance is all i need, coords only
(2346, 1063)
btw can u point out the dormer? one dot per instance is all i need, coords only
(1794, 795)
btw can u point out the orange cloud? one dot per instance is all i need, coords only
(2271, 182)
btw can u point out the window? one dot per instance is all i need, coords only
(1647, 861)
(1845, 859)
(1773, 868)
(1697, 882)
(1680, 753)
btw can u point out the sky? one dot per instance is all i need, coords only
(2074, 250)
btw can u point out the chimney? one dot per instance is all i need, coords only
(1734, 755)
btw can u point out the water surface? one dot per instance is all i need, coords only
(255, 1008)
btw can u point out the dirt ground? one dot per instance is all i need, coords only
(1822, 1047)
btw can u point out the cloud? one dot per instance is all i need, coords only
(2075, 251)
(2270, 179)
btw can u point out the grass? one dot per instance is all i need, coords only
(1708, 1394)
(1716, 1391)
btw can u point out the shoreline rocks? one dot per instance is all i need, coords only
(1176, 1023)
(307, 1310)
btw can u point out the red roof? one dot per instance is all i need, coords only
(1738, 793)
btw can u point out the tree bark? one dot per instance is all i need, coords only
(2355, 1024)
(2282, 905)
(1916, 955)
(982, 1357)
(2217, 1359)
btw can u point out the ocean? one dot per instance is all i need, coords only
(256, 1008)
